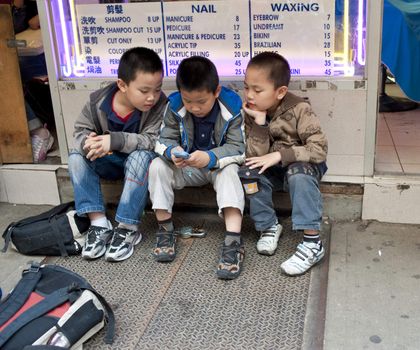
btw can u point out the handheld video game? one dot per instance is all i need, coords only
(181, 154)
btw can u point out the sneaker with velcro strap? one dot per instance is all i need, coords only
(231, 259)
(307, 255)
(267, 244)
(95, 243)
(165, 248)
(122, 244)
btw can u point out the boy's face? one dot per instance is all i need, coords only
(259, 91)
(143, 92)
(199, 102)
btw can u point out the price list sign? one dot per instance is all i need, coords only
(218, 30)
(108, 30)
(302, 31)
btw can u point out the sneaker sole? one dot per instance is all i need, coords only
(226, 275)
(266, 252)
(301, 273)
(270, 252)
(129, 253)
(164, 257)
(88, 257)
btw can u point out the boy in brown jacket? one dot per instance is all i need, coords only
(286, 150)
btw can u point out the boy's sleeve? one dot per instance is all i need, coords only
(128, 142)
(83, 126)
(314, 147)
(170, 136)
(257, 138)
(233, 148)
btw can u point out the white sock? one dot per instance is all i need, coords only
(101, 222)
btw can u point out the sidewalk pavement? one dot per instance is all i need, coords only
(373, 282)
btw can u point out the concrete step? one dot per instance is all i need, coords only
(50, 184)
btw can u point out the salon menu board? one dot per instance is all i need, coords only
(228, 32)
(106, 31)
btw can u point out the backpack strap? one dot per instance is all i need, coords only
(20, 293)
(7, 235)
(110, 318)
(55, 299)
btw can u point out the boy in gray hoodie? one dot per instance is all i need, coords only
(114, 138)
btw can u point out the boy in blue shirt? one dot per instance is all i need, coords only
(114, 138)
(204, 120)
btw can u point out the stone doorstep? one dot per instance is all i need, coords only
(341, 201)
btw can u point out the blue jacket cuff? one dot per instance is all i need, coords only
(213, 160)
(168, 152)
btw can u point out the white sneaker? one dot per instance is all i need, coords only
(267, 244)
(96, 241)
(306, 256)
(122, 244)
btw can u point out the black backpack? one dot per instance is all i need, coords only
(49, 233)
(52, 306)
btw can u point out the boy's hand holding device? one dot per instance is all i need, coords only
(198, 159)
(181, 154)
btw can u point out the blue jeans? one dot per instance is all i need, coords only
(133, 168)
(301, 180)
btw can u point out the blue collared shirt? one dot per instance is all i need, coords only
(204, 130)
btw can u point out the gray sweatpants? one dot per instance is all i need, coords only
(164, 177)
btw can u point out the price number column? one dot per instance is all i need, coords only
(240, 42)
(154, 32)
(217, 30)
(328, 44)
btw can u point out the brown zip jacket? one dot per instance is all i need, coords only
(294, 130)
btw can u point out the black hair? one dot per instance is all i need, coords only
(276, 65)
(197, 73)
(138, 59)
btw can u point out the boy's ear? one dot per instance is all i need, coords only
(122, 85)
(217, 92)
(281, 92)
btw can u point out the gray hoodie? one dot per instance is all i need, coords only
(93, 119)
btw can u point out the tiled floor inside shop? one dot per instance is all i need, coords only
(398, 142)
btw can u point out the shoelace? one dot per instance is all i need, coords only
(268, 234)
(38, 142)
(120, 237)
(93, 234)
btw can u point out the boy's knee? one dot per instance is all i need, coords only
(140, 155)
(230, 171)
(302, 168)
(139, 159)
(158, 165)
(301, 181)
(76, 161)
